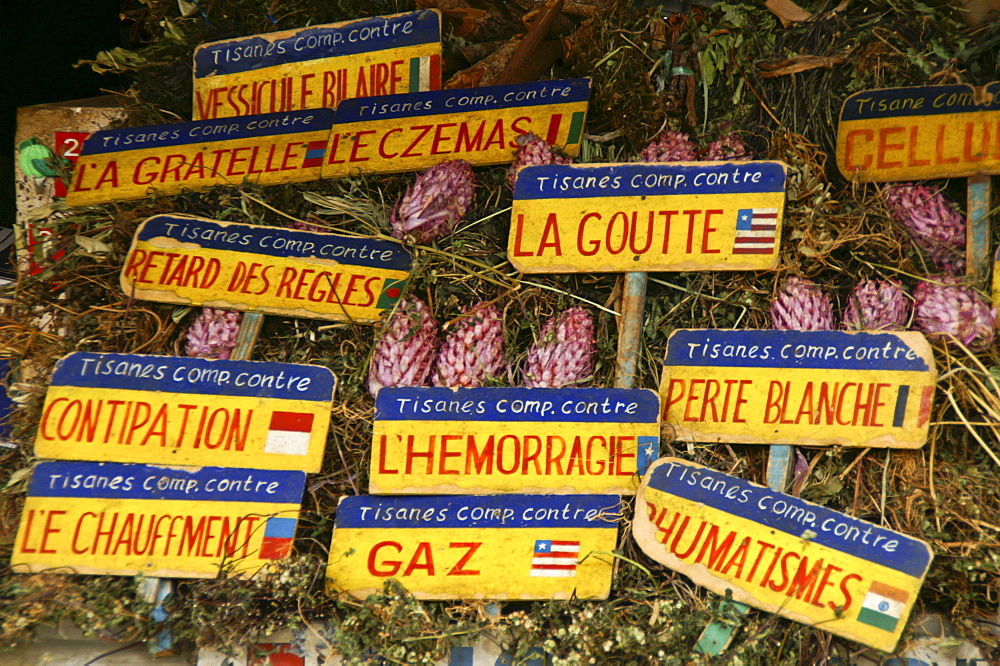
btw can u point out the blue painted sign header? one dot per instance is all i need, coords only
(919, 101)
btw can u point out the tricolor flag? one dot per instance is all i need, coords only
(425, 73)
(314, 154)
(555, 558)
(575, 128)
(278, 536)
(756, 230)
(883, 606)
(289, 433)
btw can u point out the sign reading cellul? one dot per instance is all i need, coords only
(180, 522)
(186, 411)
(318, 66)
(485, 440)
(135, 162)
(780, 553)
(487, 547)
(478, 125)
(795, 387)
(192, 261)
(920, 132)
(647, 217)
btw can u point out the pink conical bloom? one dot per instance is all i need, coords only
(953, 309)
(405, 353)
(308, 225)
(563, 355)
(729, 147)
(670, 147)
(802, 306)
(438, 199)
(877, 305)
(213, 334)
(532, 151)
(473, 351)
(935, 226)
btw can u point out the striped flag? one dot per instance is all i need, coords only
(314, 154)
(425, 73)
(574, 133)
(289, 433)
(883, 606)
(555, 558)
(278, 536)
(756, 230)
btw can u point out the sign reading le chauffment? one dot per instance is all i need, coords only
(180, 522)
(193, 261)
(186, 411)
(780, 553)
(483, 440)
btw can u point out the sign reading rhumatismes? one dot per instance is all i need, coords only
(780, 553)
(172, 410)
(479, 125)
(133, 163)
(192, 261)
(487, 440)
(469, 547)
(319, 66)
(920, 132)
(796, 387)
(647, 217)
(171, 522)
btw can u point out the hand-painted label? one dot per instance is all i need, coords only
(478, 125)
(488, 440)
(920, 132)
(780, 553)
(795, 387)
(647, 217)
(487, 547)
(179, 522)
(193, 261)
(186, 411)
(132, 163)
(318, 66)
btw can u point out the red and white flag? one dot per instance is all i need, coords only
(289, 433)
(555, 558)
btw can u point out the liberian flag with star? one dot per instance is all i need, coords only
(555, 558)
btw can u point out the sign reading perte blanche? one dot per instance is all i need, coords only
(170, 522)
(647, 217)
(476, 547)
(186, 411)
(193, 261)
(797, 387)
(779, 553)
(484, 440)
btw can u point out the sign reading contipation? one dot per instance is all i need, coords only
(487, 440)
(186, 411)
(780, 553)
(476, 547)
(179, 522)
(193, 261)
(797, 387)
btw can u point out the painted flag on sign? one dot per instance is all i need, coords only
(756, 229)
(289, 433)
(278, 536)
(555, 558)
(425, 73)
(575, 128)
(314, 154)
(883, 606)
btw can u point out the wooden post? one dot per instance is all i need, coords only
(977, 230)
(630, 330)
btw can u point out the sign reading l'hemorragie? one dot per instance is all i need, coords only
(486, 440)
(179, 522)
(469, 547)
(318, 66)
(796, 387)
(920, 132)
(186, 411)
(647, 217)
(780, 553)
(132, 163)
(193, 261)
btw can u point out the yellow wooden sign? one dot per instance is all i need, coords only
(486, 547)
(179, 522)
(647, 217)
(794, 387)
(920, 132)
(318, 66)
(487, 440)
(193, 261)
(779, 553)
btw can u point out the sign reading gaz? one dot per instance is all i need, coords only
(487, 547)
(795, 387)
(780, 553)
(171, 522)
(487, 440)
(647, 217)
(193, 261)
